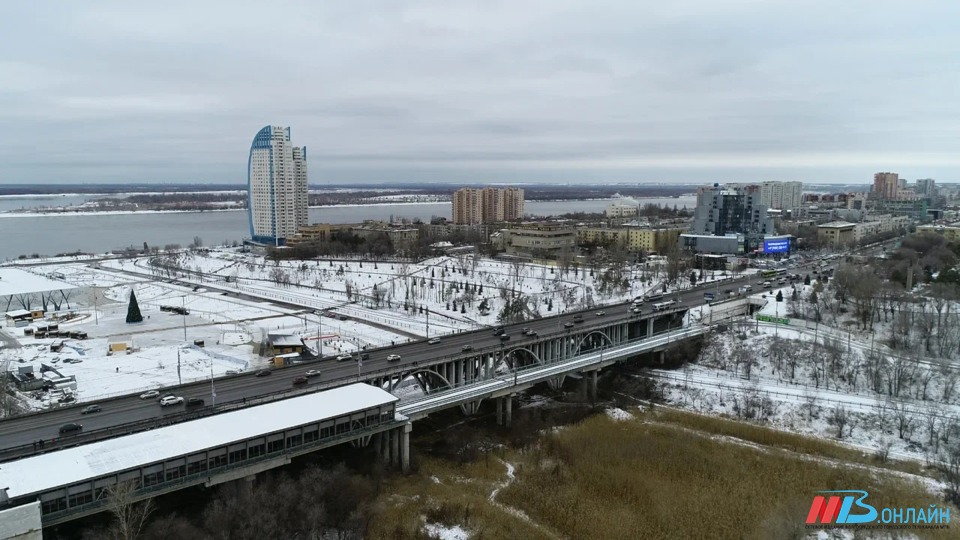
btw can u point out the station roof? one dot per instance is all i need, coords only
(44, 472)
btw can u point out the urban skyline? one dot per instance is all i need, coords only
(480, 92)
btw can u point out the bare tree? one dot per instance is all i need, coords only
(129, 515)
(839, 418)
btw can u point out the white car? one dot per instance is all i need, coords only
(344, 357)
(171, 400)
(393, 357)
(149, 394)
(434, 341)
(312, 373)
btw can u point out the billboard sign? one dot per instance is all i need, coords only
(776, 245)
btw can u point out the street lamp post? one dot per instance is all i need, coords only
(183, 311)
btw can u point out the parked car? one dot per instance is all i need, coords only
(312, 373)
(171, 400)
(149, 394)
(70, 428)
(466, 348)
(67, 399)
(434, 341)
(264, 372)
(299, 380)
(393, 357)
(344, 357)
(233, 372)
(90, 409)
(195, 402)
(767, 284)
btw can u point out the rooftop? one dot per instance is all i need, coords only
(47, 471)
(16, 281)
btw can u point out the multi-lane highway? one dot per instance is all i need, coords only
(30, 428)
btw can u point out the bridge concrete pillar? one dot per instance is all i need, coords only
(593, 385)
(395, 447)
(499, 411)
(405, 448)
(384, 445)
(509, 412)
(649, 327)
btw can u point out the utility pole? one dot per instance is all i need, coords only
(183, 306)
(428, 323)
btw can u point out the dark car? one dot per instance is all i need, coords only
(498, 331)
(466, 348)
(194, 402)
(299, 380)
(568, 325)
(365, 356)
(504, 337)
(70, 428)
(264, 373)
(91, 409)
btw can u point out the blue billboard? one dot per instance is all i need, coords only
(776, 245)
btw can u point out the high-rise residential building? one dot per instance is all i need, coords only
(782, 195)
(487, 205)
(885, 185)
(926, 187)
(726, 210)
(277, 186)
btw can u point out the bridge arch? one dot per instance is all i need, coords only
(528, 351)
(593, 332)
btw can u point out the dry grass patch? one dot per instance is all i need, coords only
(630, 479)
(451, 494)
(779, 439)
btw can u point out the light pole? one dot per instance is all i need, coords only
(183, 311)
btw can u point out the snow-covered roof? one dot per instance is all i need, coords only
(18, 313)
(285, 340)
(837, 224)
(16, 281)
(47, 471)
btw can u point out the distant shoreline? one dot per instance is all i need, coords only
(46, 212)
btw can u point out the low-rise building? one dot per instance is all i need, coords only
(950, 232)
(837, 233)
(712, 244)
(539, 240)
(621, 210)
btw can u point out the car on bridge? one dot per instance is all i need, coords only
(264, 372)
(578, 318)
(344, 357)
(90, 409)
(434, 341)
(530, 332)
(312, 373)
(299, 380)
(150, 394)
(568, 325)
(499, 330)
(195, 402)
(67, 429)
(505, 337)
(600, 313)
(393, 358)
(171, 400)
(466, 348)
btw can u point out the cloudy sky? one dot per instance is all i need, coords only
(491, 91)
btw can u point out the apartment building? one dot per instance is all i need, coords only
(487, 205)
(277, 186)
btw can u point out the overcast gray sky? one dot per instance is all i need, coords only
(491, 91)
